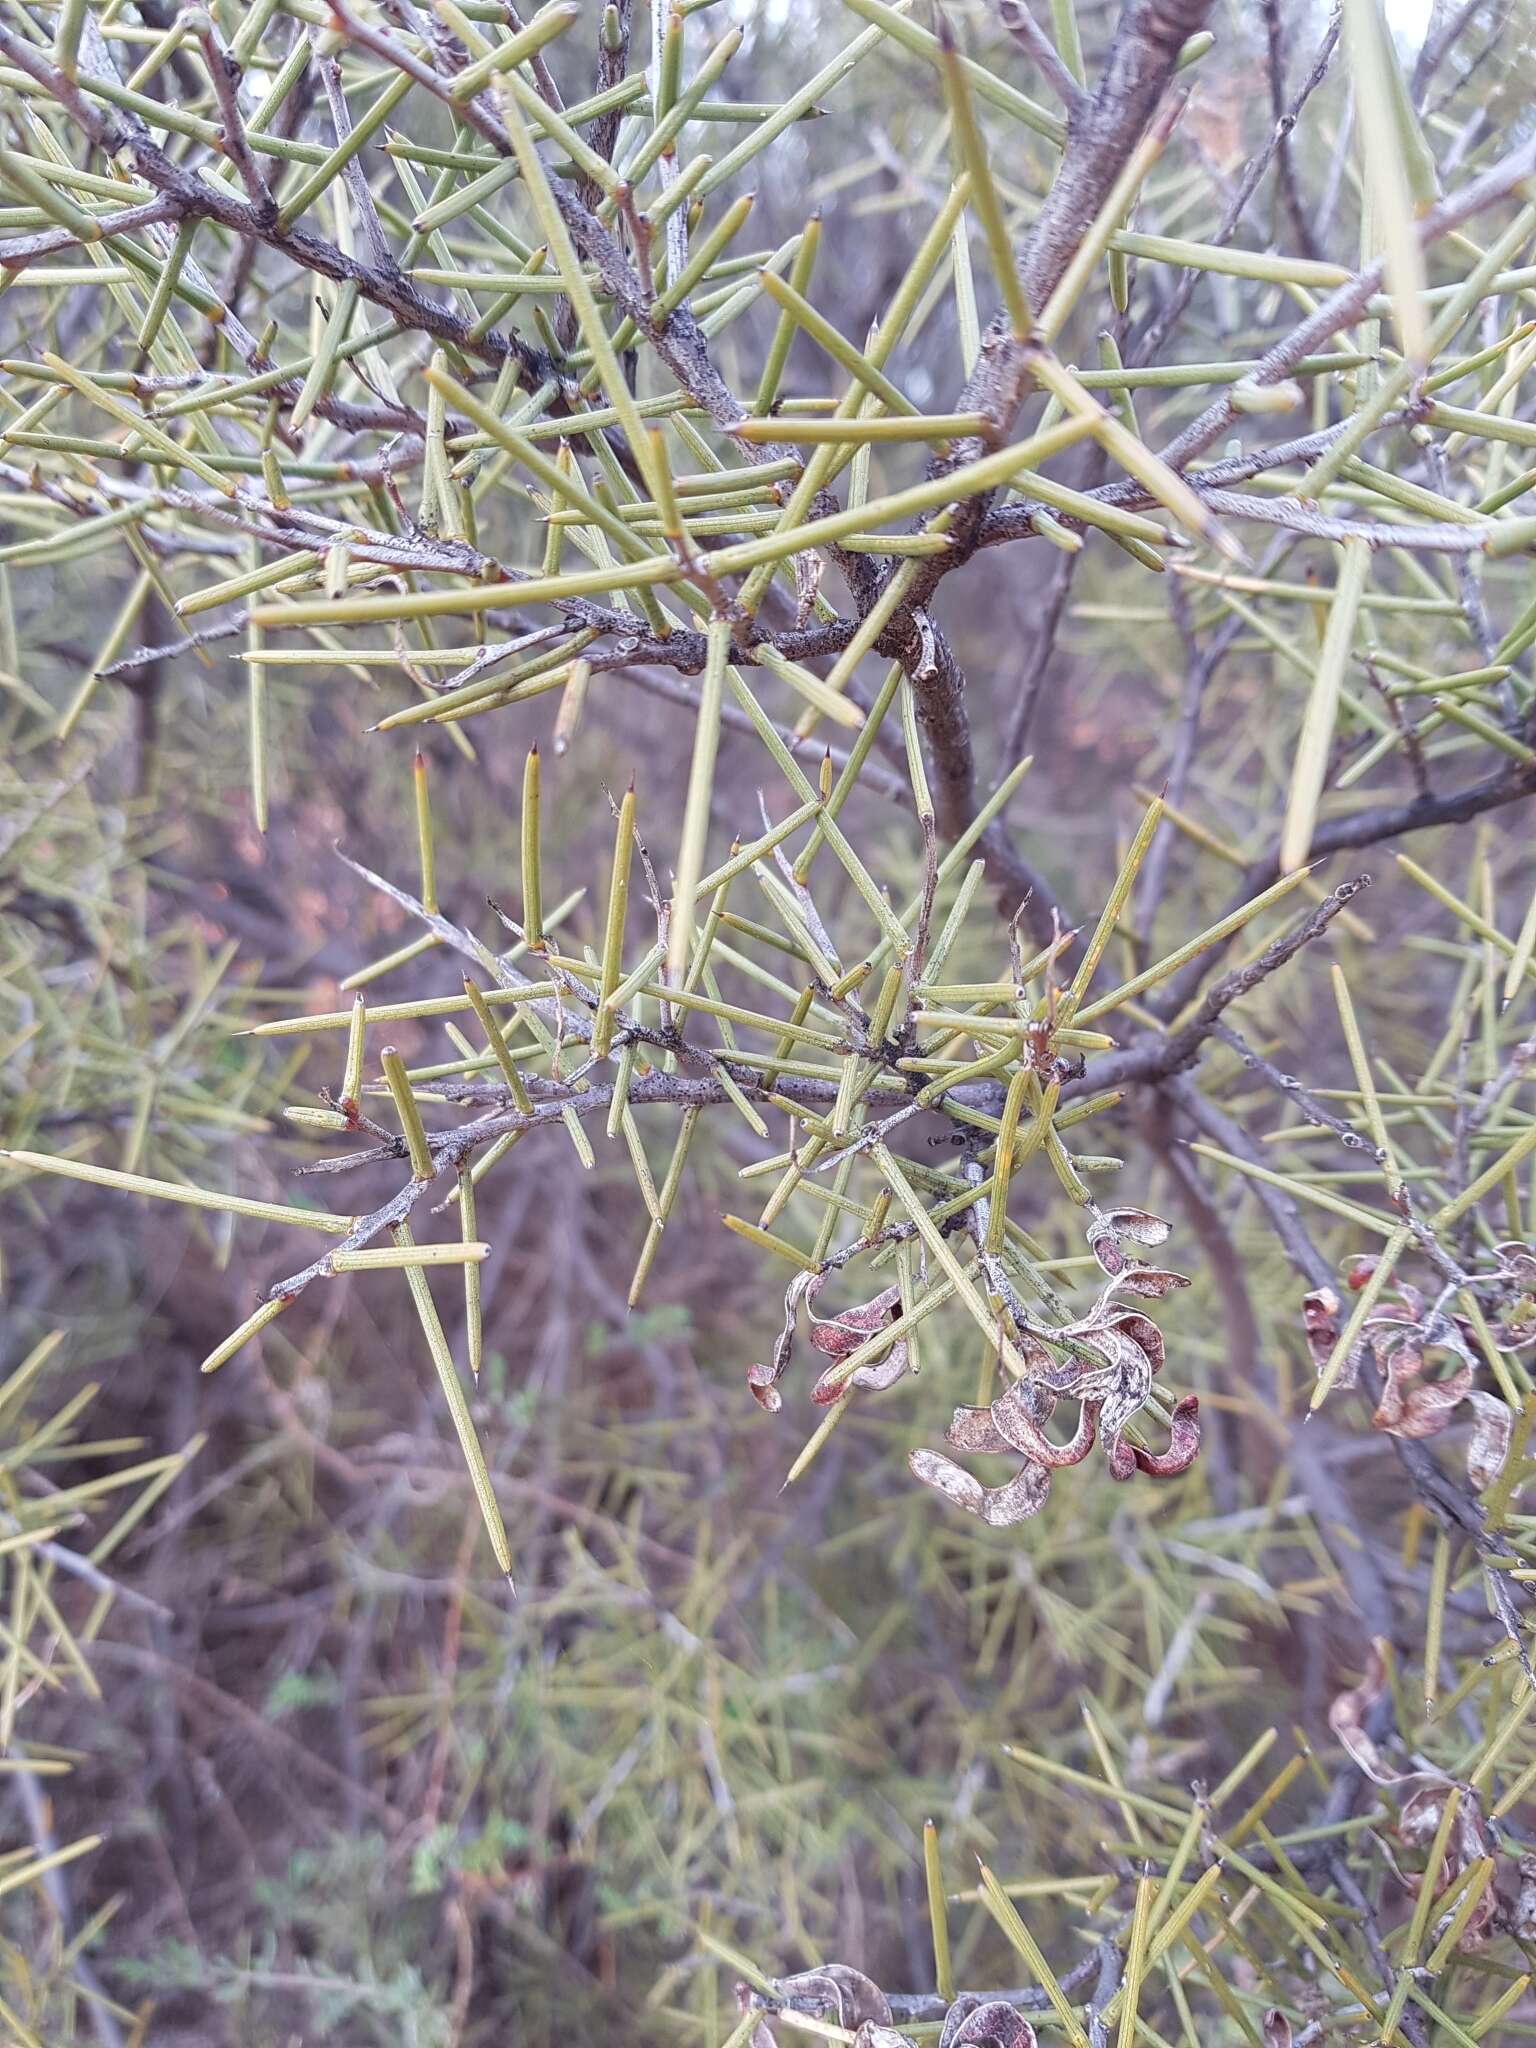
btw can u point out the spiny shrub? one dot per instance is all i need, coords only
(424, 346)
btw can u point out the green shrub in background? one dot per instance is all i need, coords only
(52, 1991)
(428, 353)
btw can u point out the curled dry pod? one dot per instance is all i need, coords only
(762, 2034)
(1410, 1405)
(1517, 1323)
(762, 1380)
(874, 1377)
(976, 2022)
(1020, 1431)
(1122, 1458)
(1488, 1446)
(1470, 1841)
(1517, 1313)
(1522, 1918)
(1347, 1717)
(1151, 1282)
(973, 1429)
(837, 1336)
(1143, 1333)
(1183, 1443)
(1108, 1227)
(1139, 1225)
(1105, 1247)
(1000, 1506)
(1320, 1319)
(1121, 1386)
(846, 1995)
